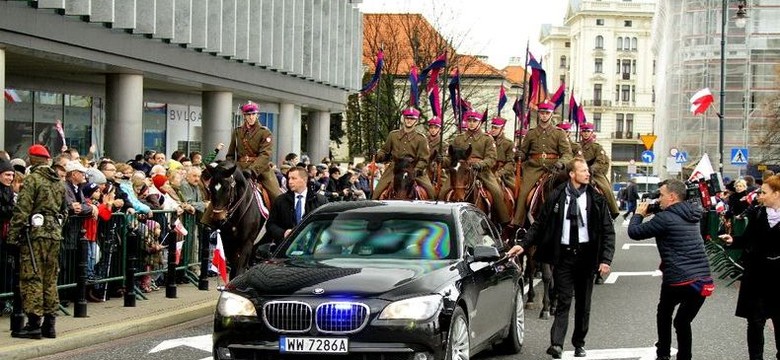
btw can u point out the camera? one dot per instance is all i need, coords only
(698, 192)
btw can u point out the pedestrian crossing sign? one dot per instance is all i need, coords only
(739, 156)
(681, 158)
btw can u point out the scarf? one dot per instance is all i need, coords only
(574, 213)
(773, 216)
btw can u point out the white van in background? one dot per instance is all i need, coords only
(646, 184)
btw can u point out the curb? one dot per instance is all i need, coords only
(119, 330)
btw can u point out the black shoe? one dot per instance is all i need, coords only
(599, 280)
(579, 351)
(30, 331)
(47, 329)
(556, 351)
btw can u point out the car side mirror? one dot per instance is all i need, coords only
(265, 251)
(486, 253)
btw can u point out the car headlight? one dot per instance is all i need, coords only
(235, 305)
(418, 308)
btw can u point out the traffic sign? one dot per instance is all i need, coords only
(739, 156)
(648, 156)
(648, 140)
(681, 158)
(631, 162)
(672, 166)
(673, 151)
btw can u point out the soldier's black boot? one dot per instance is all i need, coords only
(47, 329)
(30, 331)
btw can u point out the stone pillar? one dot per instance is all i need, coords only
(124, 116)
(2, 101)
(285, 133)
(217, 122)
(318, 141)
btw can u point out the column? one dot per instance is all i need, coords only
(285, 133)
(2, 103)
(124, 116)
(217, 120)
(318, 141)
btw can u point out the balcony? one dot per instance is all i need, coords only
(597, 103)
(624, 135)
(626, 76)
(617, 135)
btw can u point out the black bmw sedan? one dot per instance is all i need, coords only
(377, 280)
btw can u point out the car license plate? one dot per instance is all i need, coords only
(313, 345)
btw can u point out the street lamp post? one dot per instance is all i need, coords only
(740, 21)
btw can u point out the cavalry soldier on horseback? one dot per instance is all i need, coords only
(598, 162)
(438, 145)
(576, 150)
(251, 145)
(482, 160)
(401, 143)
(505, 153)
(542, 148)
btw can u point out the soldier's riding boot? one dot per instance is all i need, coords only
(30, 331)
(47, 329)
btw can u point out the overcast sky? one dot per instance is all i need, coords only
(496, 28)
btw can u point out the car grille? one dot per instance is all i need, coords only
(287, 316)
(341, 317)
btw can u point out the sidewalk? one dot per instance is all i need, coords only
(110, 320)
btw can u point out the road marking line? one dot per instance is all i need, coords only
(628, 246)
(613, 276)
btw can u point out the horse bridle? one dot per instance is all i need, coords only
(232, 199)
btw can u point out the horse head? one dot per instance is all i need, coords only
(461, 176)
(226, 184)
(403, 178)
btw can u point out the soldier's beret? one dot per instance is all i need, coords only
(38, 150)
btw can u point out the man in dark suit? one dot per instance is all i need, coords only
(574, 233)
(289, 208)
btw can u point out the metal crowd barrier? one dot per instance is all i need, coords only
(725, 261)
(121, 244)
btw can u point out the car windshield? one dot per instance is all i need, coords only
(395, 238)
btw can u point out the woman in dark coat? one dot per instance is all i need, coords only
(737, 200)
(758, 298)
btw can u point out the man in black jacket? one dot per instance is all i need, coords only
(289, 208)
(574, 233)
(686, 272)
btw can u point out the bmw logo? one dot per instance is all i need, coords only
(318, 291)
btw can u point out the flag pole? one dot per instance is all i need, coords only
(519, 129)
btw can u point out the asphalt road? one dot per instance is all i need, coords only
(622, 322)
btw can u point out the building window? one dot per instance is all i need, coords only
(154, 123)
(653, 96)
(619, 123)
(633, 67)
(625, 92)
(629, 123)
(653, 67)
(563, 61)
(627, 23)
(599, 66)
(617, 68)
(567, 44)
(620, 43)
(600, 22)
(626, 152)
(597, 121)
(626, 69)
(597, 94)
(563, 78)
(626, 43)
(617, 93)
(599, 42)
(633, 93)
(634, 44)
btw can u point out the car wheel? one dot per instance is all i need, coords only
(513, 342)
(458, 338)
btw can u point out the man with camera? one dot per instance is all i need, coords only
(686, 272)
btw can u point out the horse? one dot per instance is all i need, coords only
(464, 184)
(239, 207)
(404, 186)
(534, 203)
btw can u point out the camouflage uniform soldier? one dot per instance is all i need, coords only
(598, 162)
(405, 142)
(543, 147)
(40, 205)
(436, 144)
(250, 147)
(576, 150)
(505, 153)
(483, 158)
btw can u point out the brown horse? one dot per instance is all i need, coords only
(464, 184)
(404, 185)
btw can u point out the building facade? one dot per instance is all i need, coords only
(135, 75)
(686, 41)
(603, 53)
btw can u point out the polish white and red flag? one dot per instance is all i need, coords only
(703, 169)
(12, 96)
(701, 101)
(219, 261)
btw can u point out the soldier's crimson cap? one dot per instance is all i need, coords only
(411, 113)
(434, 121)
(472, 114)
(38, 150)
(546, 107)
(564, 126)
(497, 121)
(586, 126)
(250, 108)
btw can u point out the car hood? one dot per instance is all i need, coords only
(348, 277)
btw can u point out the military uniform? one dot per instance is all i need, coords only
(505, 163)
(541, 148)
(42, 193)
(483, 152)
(402, 144)
(598, 163)
(251, 147)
